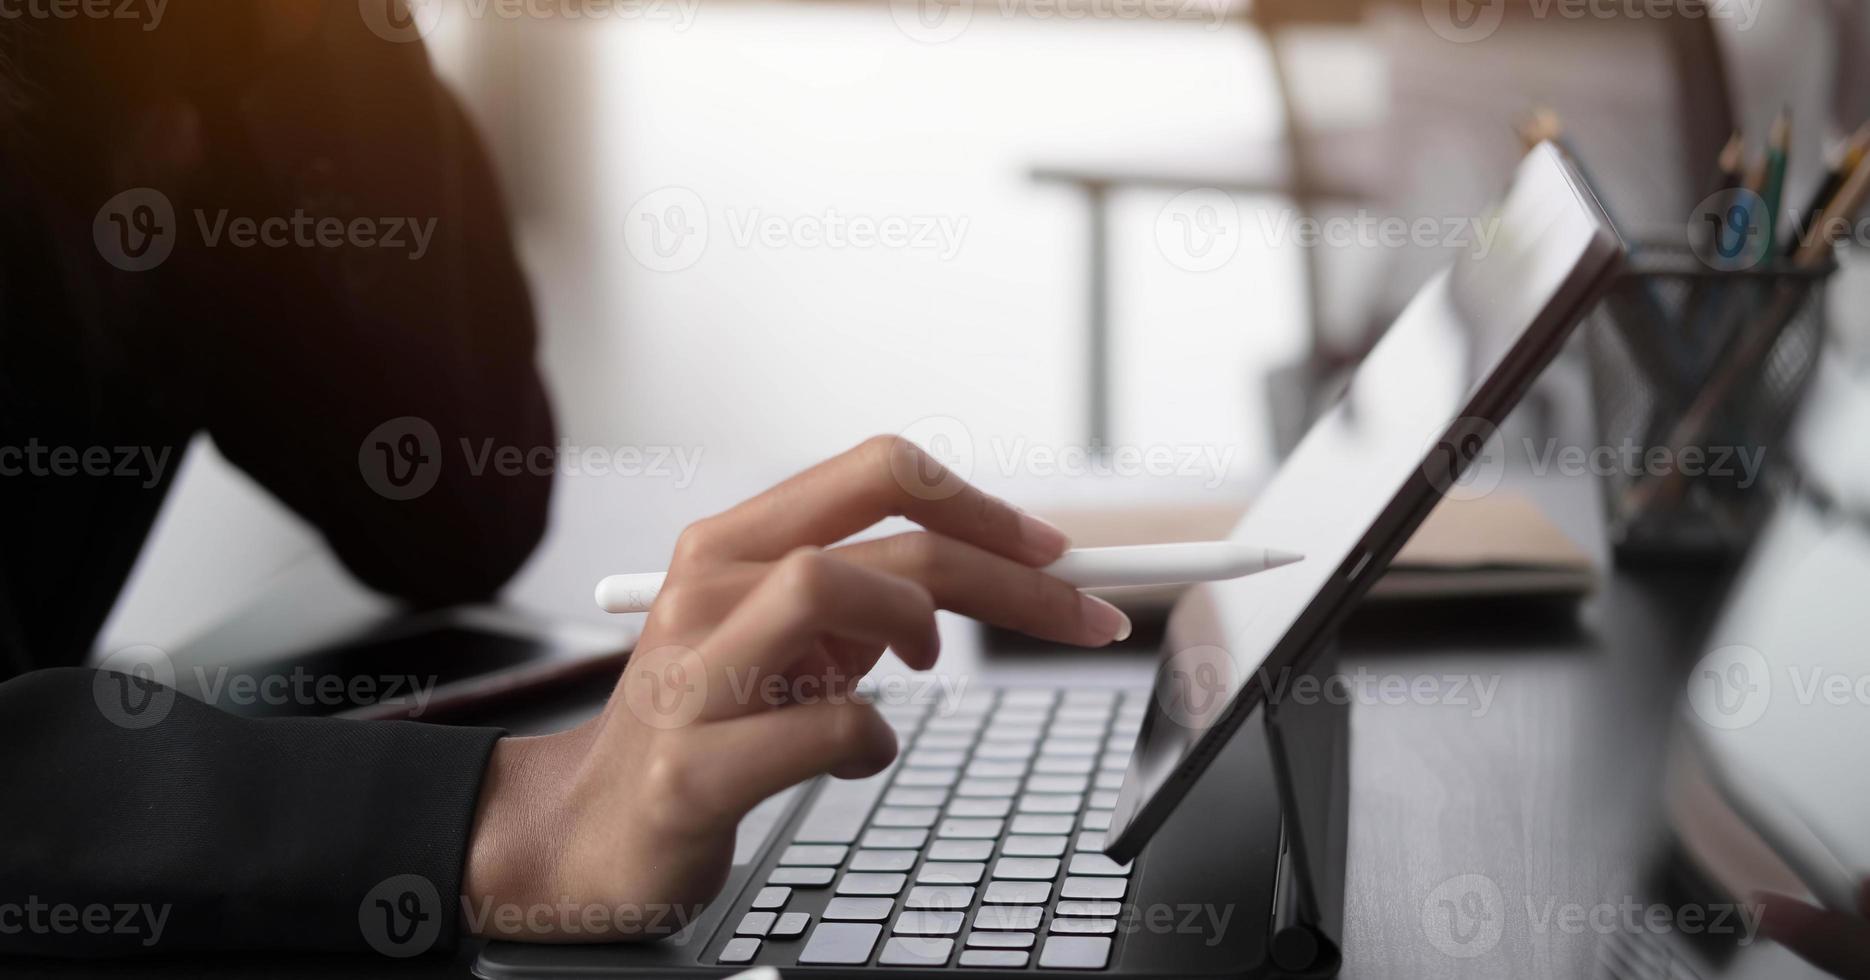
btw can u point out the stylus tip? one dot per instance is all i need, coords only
(1276, 558)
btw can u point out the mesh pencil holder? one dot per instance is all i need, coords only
(1695, 375)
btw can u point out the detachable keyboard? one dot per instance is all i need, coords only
(980, 847)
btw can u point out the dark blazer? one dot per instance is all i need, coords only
(248, 833)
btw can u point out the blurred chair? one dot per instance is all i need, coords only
(1315, 167)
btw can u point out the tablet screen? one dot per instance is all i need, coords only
(1367, 463)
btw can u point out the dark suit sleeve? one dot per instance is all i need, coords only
(138, 820)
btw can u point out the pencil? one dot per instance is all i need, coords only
(1778, 150)
(1845, 162)
(1844, 204)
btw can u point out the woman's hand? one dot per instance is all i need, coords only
(740, 687)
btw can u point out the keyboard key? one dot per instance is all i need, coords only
(958, 725)
(915, 951)
(838, 814)
(1100, 889)
(1017, 715)
(1089, 910)
(1086, 927)
(883, 861)
(859, 909)
(1109, 780)
(1001, 732)
(1020, 845)
(895, 837)
(1041, 823)
(1001, 940)
(1104, 799)
(915, 797)
(933, 759)
(971, 829)
(802, 877)
(1096, 865)
(1026, 869)
(1057, 784)
(755, 924)
(995, 769)
(771, 898)
(972, 786)
(950, 873)
(1006, 959)
(1028, 697)
(1017, 893)
(1114, 761)
(985, 806)
(740, 950)
(1005, 750)
(1073, 765)
(1097, 819)
(928, 923)
(1074, 953)
(1071, 746)
(789, 926)
(1050, 803)
(841, 944)
(961, 850)
(945, 743)
(1103, 697)
(1091, 840)
(906, 816)
(1008, 918)
(928, 777)
(871, 884)
(821, 856)
(940, 898)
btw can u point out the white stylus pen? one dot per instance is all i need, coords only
(1086, 568)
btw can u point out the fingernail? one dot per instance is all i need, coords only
(1104, 619)
(1045, 542)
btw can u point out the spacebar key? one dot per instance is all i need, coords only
(837, 816)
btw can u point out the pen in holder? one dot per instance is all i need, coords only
(1696, 373)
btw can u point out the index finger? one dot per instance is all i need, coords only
(885, 476)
